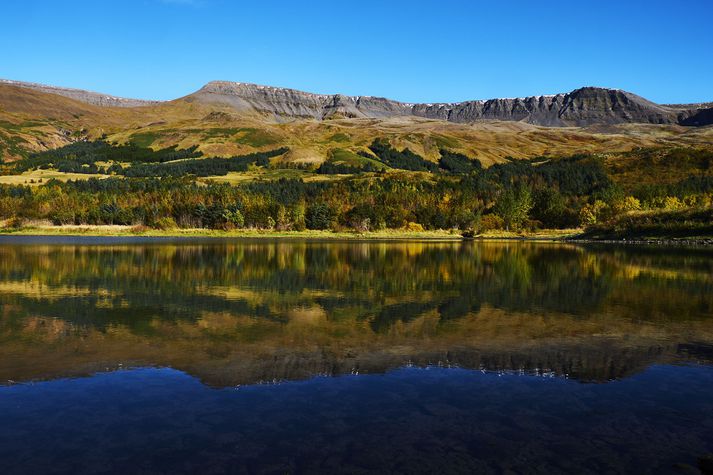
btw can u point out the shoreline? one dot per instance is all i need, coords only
(200, 233)
(123, 232)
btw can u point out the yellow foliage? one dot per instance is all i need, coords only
(627, 204)
(491, 222)
(672, 203)
(592, 213)
(414, 227)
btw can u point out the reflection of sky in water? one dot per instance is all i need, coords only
(224, 314)
(409, 420)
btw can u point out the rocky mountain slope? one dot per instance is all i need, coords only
(581, 107)
(93, 98)
(225, 119)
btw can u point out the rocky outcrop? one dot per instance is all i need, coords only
(581, 107)
(290, 103)
(88, 97)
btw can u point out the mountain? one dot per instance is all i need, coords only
(93, 98)
(581, 107)
(228, 118)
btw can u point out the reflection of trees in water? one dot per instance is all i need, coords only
(141, 309)
(404, 312)
(548, 279)
(379, 282)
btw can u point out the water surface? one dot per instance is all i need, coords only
(271, 357)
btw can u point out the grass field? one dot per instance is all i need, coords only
(347, 157)
(223, 132)
(46, 228)
(70, 230)
(674, 229)
(269, 174)
(38, 177)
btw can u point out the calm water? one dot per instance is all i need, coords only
(289, 357)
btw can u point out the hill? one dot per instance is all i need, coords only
(581, 107)
(235, 156)
(224, 119)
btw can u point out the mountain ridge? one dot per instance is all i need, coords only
(581, 107)
(226, 119)
(89, 97)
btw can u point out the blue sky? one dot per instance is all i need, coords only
(416, 51)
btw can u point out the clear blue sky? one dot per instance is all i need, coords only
(425, 51)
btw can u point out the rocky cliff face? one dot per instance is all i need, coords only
(291, 103)
(88, 97)
(581, 107)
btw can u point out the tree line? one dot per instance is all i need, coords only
(158, 190)
(476, 202)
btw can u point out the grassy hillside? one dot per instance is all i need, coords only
(34, 121)
(167, 165)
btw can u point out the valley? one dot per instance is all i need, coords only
(266, 158)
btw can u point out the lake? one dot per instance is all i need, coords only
(139, 355)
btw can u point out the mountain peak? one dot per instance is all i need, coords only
(589, 105)
(581, 107)
(88, 97)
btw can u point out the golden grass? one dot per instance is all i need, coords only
(260, 174)
(45, 228)
(185, 123)
(104, 230)
(39, 177)
(544, 234)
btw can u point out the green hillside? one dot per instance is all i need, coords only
(195, 165)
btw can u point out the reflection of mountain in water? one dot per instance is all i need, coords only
(238, 313)
(586, 363)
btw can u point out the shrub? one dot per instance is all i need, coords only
(704, 200)
(414, 227)
(234, 217)
(592, 213)
(139, 229)
(467, 219)
(62, 216)
(165, 223)
(672, 203)
(360, 224)
(15, 222)
(318, 216)
(627, 204)
(491, 222)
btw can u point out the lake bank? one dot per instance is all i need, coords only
(569, 235)
(140, 231)
(386, 234)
